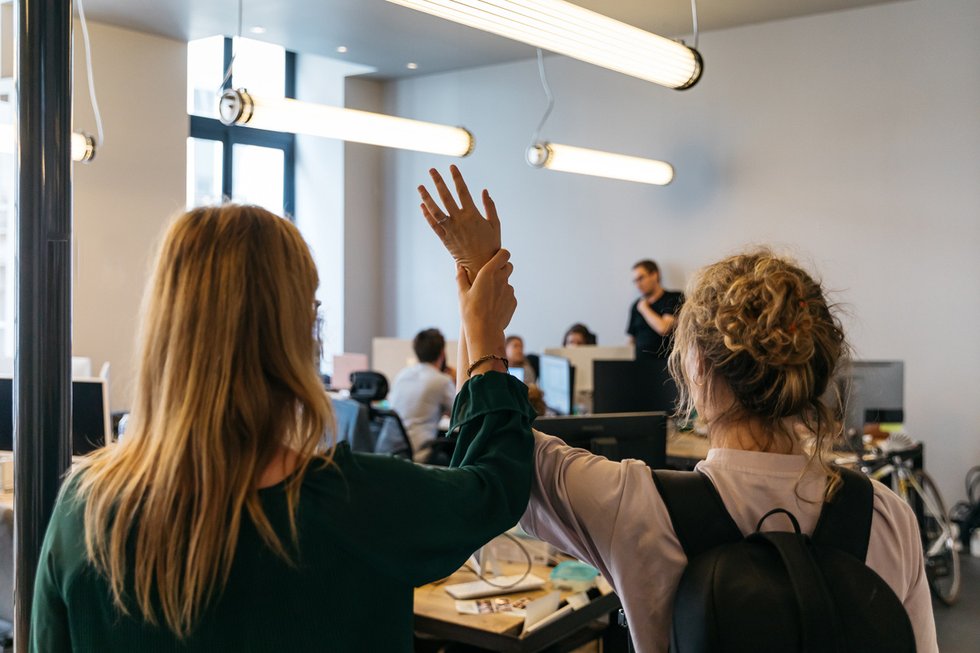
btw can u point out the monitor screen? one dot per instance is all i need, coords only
(89, 420)
(873, 391)
(555, 380)
(581, 359)
(617, 436)
(630, 386)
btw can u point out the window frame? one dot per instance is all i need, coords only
(212, 129)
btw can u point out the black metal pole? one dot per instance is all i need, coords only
(42, 373)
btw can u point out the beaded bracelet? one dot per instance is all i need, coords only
(484, 359)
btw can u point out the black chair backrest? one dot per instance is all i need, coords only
(367, 386)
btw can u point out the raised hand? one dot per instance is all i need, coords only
(471, 238)
(486, 306)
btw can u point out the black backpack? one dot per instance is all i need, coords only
(779, 591)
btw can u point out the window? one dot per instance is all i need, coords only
(8, 222)
(251, 166)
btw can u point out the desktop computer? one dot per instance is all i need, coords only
(631, 386)
(617, 436)
(90, 420)
(871, 391)
(556, 379)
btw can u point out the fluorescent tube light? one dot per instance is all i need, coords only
(82, 145)
(286, 115)
(575, 32)
(568, 158)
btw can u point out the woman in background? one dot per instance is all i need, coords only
(577, 335)
(221, 522)
(755, 348)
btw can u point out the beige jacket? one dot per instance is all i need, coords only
(610, 515)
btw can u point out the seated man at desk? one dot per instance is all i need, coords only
(423, 393)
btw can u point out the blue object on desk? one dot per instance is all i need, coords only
(574, 575)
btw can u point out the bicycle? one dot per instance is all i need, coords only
(938, 542)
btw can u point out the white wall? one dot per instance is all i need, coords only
(124, 198)
(363, 202)
(850, 140)
(334, 224)
(319, 210)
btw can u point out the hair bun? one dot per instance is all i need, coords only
(766, 315)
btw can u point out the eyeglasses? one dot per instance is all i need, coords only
(318, 323)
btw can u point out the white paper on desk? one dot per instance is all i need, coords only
(541, 609)
(498, 605)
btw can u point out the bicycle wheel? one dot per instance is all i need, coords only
(942, 560)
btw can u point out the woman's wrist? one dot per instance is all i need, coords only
(480, 342)
(489, 363)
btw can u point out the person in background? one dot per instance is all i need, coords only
(577, 335)
(221, 522)
(423, 393)
(515, 358)
(757, 346)
(653, 315)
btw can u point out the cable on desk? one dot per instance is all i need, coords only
(527, 571)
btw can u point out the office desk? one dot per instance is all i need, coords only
(436, 616)
(685, 449)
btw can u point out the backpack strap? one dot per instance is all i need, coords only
(819, 622)
(696, 511)
(845, 520)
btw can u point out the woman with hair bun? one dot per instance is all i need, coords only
(755, 349)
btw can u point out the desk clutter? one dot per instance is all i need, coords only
(522, 583)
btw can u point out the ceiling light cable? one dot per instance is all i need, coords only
(88, 150)
(547, 91)
(234, 53)
(694, 19)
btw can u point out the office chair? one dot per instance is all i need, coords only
(390, 435)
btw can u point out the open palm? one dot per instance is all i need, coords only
(471, 238)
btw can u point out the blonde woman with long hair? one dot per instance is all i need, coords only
(756, 347)
(221, 521)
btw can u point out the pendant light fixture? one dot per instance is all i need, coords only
(584, 161)
(568, 158)
(82, 145)
(238, 107)
(576, 32)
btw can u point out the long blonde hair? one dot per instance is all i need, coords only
(761, 326)
(226, 377)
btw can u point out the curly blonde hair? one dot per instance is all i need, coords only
(761, 326)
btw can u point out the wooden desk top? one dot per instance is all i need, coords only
(436, 615)
(685, 448)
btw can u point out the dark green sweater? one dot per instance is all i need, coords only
(371, 529)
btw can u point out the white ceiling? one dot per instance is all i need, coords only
(385, 36)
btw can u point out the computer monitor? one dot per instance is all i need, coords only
(90, 421)
(630, 386)
(556, 380)
(872, 391)
(617, 436)
(581, 359)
